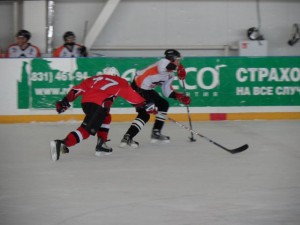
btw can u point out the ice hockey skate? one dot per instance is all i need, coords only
(102, 148)
(156, 137)
(57, 147)
(127, 141)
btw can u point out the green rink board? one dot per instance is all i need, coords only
(210, 81)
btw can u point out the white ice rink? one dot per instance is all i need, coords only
(180, 183)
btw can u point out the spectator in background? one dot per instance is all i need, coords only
(22, 48)
(70, 48)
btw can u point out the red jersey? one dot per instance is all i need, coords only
(98, 88)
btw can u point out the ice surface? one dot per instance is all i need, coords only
(180, 183)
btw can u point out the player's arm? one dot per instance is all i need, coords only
(64, 104)
(184, 99)
(83, 51)
(38, 51)
(170, 66)
(8, 52)
(165, 65)
(138, 101)
(181, 73)
(130, 95)
(57, 51)
(169, 92)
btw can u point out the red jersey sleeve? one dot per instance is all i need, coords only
(126, 92)
(57, 51)
(131, 95)
(77, 90)
(38, 51)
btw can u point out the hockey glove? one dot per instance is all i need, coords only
(150, 108)
(62, 105)
(184, 99)
(107, 103)
(181, 72)
(83, 51)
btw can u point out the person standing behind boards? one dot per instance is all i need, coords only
(70, 48)
(22, 48)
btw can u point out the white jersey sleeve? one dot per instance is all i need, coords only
(156, 75)
(167, 88)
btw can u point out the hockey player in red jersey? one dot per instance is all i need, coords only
(22, 48)
(98, 93)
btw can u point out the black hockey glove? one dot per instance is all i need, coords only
(83, 51)
(62, 105)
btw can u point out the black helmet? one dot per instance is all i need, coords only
(254, 34)
(68, 34)
(172, 54)
(24, 33)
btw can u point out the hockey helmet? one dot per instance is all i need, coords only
(172, 54)
(254, 34)
(24, 33)
(111, 71)
(68, 34)
(295, 34)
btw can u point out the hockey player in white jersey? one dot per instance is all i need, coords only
(70, 48)
(22, 48)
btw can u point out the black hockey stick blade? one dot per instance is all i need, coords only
(232, 151)
(239, 149)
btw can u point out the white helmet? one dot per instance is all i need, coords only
(111, 71)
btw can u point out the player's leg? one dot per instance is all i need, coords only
(136, 126)
(102, 148)
(160, 118)
(94, 117)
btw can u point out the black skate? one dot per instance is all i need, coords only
(57, 147)
(102, 148)
(156, 136)
(128, 141)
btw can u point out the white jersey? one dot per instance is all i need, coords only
(64, 52)
(15, 51)
(156, 75)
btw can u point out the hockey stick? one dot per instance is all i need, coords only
(192, 139)
(232, 151)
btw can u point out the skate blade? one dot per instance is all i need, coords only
(125, 145)
(134, 146)
(53, 151)
(99, 154)
(153, 141)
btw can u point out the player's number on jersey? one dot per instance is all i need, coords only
(110, 83)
